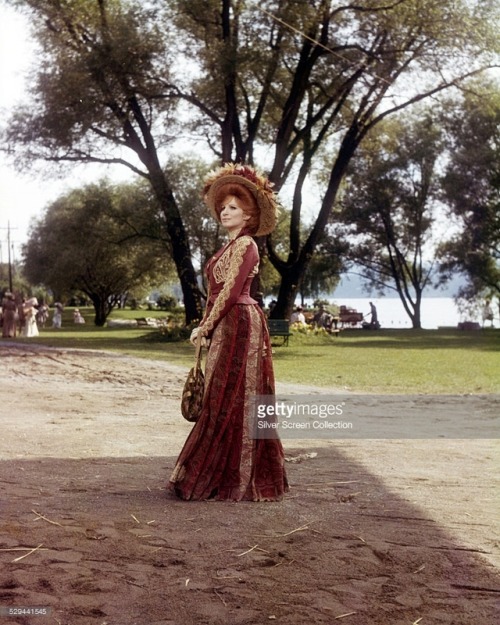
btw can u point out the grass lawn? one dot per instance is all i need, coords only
(396, 361)
(385, 361)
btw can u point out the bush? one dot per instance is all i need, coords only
(173, 331)
(308, 330)
(166, 302)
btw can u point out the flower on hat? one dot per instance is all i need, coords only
(237, 169)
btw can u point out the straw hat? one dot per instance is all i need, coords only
(256, 182)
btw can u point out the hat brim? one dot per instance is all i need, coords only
(265, 202)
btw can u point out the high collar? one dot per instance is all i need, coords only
(244, 231)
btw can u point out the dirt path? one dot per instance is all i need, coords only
(390, 532)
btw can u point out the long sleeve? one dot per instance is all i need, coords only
(233, 271)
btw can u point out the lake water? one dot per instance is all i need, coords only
(435, 312)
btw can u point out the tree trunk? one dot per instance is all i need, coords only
(181, 254)
(416, 319)
(412, 308)
(294, 269)
(288, 292)
(101, 309)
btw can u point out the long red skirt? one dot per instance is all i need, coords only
(219, 459)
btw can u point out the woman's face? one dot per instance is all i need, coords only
(232, 215)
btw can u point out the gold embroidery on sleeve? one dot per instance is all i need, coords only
(226, 270)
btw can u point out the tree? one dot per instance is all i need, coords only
(81, 244)
(297, 85)
(389, 208)
(97, 98)
(304, 87)
(472, 191)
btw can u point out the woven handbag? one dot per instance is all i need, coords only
(192, 394)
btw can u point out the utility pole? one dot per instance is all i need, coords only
(9, 260)
(8, 256)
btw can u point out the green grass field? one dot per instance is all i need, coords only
(396, 361)
(385, 361)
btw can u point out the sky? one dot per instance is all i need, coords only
(24, 194)
(20, 196)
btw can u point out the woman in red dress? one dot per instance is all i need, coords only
(220, 459)
(9, 316)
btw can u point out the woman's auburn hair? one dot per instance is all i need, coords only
(246, 199)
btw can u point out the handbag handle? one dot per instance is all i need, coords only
(197, 353)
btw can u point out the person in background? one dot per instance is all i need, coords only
(9, 316)
(487, 313)
(30, 328)
(298, 316)
(21, 318)
(77, 316)
(42, 315)
(57, 316)
(374, 317)
(320, 319)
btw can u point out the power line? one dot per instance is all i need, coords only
(321, 45)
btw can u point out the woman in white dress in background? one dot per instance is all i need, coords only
(30, 327)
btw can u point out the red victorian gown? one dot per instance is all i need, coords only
(220, 459)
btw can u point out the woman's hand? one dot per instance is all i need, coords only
(194, 335)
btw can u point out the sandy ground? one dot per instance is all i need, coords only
(395, 532)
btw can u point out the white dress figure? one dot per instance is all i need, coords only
(78, 317)
(30, 327)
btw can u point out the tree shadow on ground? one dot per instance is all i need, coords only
(110, 545)
(482, 340)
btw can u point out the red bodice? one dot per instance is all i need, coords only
(230, 273)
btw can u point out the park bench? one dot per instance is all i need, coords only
(279, 327)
